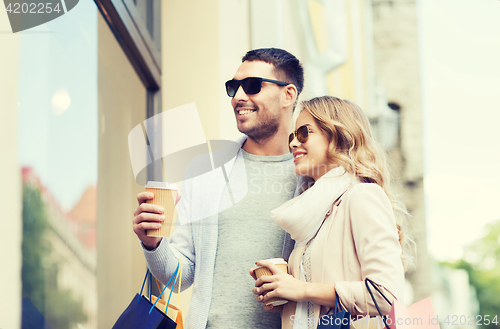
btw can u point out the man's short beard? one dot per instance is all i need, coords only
(263, 130)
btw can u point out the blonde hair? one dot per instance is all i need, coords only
(353, 147)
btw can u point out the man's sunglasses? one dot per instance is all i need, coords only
(251, 86)
(302, 134)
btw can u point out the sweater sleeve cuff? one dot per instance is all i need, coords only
(158, 257)
(151, 250)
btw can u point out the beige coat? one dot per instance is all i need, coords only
(358, 240)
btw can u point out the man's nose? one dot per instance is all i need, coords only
(240, 94)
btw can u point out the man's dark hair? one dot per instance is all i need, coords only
(286, 66)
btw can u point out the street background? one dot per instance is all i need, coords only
(425, 72)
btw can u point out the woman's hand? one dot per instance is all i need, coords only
(277, 309)
(280, 284)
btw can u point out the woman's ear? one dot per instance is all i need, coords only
(290, 95)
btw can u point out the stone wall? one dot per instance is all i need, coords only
(397, 70)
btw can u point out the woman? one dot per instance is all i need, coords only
(343, 223)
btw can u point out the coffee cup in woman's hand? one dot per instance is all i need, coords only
(262, 270)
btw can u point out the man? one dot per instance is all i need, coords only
(218, 250)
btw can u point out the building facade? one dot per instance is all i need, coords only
(397, 71)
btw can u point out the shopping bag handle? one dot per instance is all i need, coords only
(373, 298)
(174, 276)
(180, 282)
(336, 305)
(150, 284)
(142, 288)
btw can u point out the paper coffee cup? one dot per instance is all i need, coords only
(165, 195)
(261, 270)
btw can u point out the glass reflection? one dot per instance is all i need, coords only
(58, 158)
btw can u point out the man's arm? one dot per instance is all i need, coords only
(161, 255)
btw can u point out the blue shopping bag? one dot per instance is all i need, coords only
(340, 319)
(31, 316)
(141, 314)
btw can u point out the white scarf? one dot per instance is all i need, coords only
(302, 216)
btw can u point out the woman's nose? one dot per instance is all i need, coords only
(294, 143)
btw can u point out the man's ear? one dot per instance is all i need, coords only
(290, 95)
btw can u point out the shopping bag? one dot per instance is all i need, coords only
(142, 314)
(172, 312)
(31, 316)
(365, 323)
(175, 313)
(420, 315)
(384, 317)
(340, 319)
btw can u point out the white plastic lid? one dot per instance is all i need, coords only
(162, 185)
(276, 261)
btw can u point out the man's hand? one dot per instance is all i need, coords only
(148, 216)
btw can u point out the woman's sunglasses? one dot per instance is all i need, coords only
(302, 134)
(251, 86)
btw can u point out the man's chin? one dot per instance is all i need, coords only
(244, 128)
(255, 131)
(246, 132)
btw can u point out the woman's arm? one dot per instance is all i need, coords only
(378, 250)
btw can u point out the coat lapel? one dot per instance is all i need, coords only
(319, 254)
